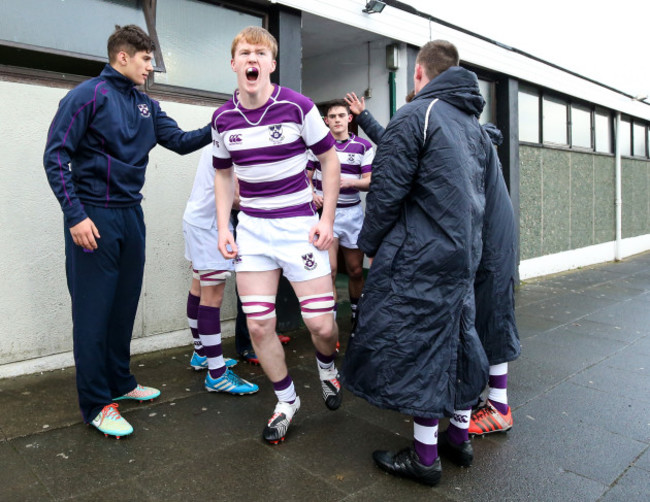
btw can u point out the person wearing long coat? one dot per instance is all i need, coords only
(415, 348)
(494, 286)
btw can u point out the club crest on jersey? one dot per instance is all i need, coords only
(350, 158)
(144, 110)
(308, 260)
(276, 134)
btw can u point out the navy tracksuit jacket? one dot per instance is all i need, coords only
(95, 159)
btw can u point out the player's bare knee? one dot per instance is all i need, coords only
(326, 331)
(259, 333)
(355, 273)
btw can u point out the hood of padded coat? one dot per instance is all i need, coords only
(456, 86)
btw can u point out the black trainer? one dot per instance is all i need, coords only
(460, 454)
(406, 464)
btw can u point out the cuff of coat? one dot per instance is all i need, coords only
(368, 250)
(74, 213)
(363, 117)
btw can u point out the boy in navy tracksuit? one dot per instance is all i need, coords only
(95, 158)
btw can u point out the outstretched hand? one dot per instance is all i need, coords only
(356, 105)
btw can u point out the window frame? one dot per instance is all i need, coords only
(550, 96)
(89, 65)
(612, 134)
(169, 90)
(590, 109)
(626, 119)
(65, 72)
(533, 90)
(594, 111)
(644, 125)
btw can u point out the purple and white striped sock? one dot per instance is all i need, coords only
(209, 326)
(498, 383)
(458, 430)
(325, 362)
(425, 439)
(285, 390)
(192, 315)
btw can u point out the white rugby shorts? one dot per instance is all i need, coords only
(347, 225)
(202, 248)
(270, 243)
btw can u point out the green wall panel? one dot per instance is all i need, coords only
(604, 199)
(582, 200)
(556, 201)
(530, 200)
(568, 199)
(634, 187)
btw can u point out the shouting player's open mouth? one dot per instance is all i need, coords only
(252, 74)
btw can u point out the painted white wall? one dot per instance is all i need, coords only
(355, 69)
(331, 76)
(35, 319)
(582, 257)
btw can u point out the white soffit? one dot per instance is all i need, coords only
(405, 27)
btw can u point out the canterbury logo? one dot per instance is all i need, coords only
(234, 138)
(460, 418)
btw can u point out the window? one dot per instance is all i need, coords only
(528, 116)
(554, 121)
(71, 27)
(580, 126)
(68, 38)
(487, 91)
(626, 137)
(603, 131)
(195, 40)
(639, 137)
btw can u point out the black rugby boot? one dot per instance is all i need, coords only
(406, 464)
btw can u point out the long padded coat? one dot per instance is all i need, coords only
(495, 279)
(415, 348)
(494, 286)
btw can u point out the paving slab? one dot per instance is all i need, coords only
(614, 381)
(18, 482)
(633, 486)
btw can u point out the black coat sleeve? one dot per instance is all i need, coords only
(393, 171)
(370, 126)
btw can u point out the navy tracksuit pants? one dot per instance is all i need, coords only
(105, 288)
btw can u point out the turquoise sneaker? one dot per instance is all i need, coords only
(140, 393)
(200, 363)
(230, 383)
(110, 422)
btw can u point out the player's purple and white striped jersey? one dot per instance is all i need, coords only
(356, 156)
(268, 148)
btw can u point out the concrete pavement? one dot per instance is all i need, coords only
(580, 395)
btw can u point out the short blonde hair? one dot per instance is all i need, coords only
(255, 35)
